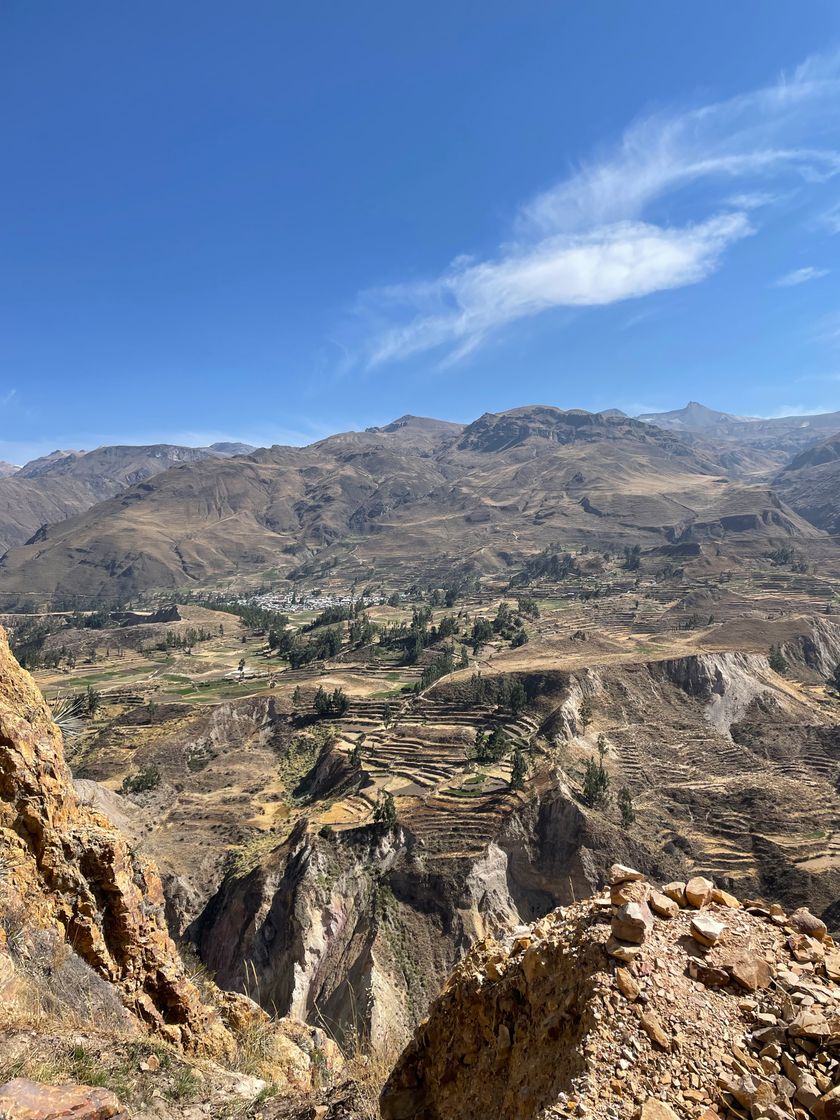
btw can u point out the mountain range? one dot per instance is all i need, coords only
(415, 493)
(64, 483)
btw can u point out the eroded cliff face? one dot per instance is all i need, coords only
(70, 870)
(358, 930)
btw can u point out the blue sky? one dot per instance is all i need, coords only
(269, 222)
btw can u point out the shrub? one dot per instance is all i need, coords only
(144, 780)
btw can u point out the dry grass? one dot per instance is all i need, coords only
(368, 1068)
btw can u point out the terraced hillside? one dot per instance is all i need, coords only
(387, 829)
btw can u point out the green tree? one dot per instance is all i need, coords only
(777, 660)
(625, 806)
(321, 702)
(297, 696)
(596, 785)
(93, 700)
(387, 715)
(482, 631)
(339, 702)
(518, 770)
(385, 811)
(585, 713)
(835, 678)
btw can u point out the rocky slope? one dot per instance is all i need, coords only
(639, 1002)
(66, 483)
(403, 499)
(732, 770)
(83, 939)
(811, 484)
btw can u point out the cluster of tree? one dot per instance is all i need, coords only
(144, 780)
(253, 616)
(186, 639)
(509, 624)
(786, 556)
(506, 692)
(835, 679)
(518, 769)
(492, 747)
(551, 564)
(632, 557)
(419, 634)
(330, 703)
(92, 620)
(329, 616)
(325, 644)
(596, 787)
(440, 665)
(528, 606)
(777, 660)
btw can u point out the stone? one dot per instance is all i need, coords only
(654, 1109)
(662, 905)
(803, 921)
(707, 974)
(705, 929)
(698, 892)
(750, 972)
(809, 1024)
(150, 1064)
(632, 890)
(742, 1088)
(620, 951)
(620, 873)
(654, 1030)
(676, 891)
(828, 1105)
(723, 898)
(807, 1091)
(831, 964)
(632, 922)
(627, 984)
(21, 1099)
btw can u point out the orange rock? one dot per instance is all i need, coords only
(21, 1099)
(80, 875)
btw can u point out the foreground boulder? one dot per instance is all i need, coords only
(21, 1099)
(551, 1025)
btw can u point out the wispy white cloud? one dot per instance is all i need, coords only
(594, 237)
(618, 262)
(800, 276)
(7, 397)
(830, 220)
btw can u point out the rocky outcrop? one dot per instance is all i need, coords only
(716, 1009)
(359, 929)
(69, 869)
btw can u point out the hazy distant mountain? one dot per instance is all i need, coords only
(64, 483)
(696, 418)
(811, 484)
(7, 469)
(746, 445)
(410, 497)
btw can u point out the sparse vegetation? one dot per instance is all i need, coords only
(143, 781)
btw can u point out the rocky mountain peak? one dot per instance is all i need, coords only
(650, 1002)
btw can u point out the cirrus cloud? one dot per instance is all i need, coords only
(595, 237)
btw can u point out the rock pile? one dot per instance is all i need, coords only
(645, 1002)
